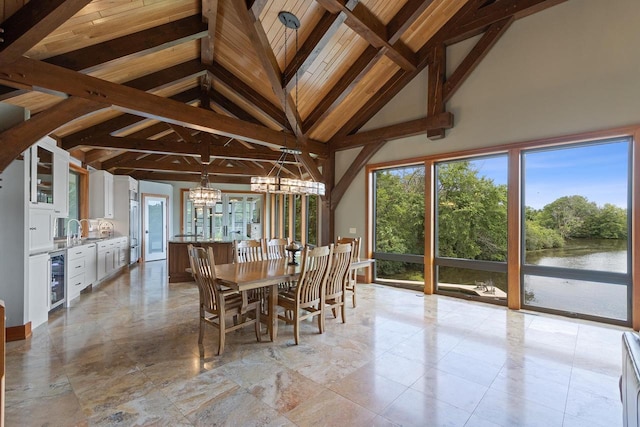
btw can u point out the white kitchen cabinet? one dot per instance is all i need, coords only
(100, 194)
(81, 263)
(61, 183)
(49, 177)
(39, 297)
(90, 265)
(107, 251)
(40, 229)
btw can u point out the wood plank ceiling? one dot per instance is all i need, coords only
(160, 89)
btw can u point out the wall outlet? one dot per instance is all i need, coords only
(352, 231)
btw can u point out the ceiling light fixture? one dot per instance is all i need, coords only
(204, 195)
(273, 182)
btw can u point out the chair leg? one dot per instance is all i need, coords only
(335, 313)
(201, 334)
(354, 294)
(221, 334)
(258, 332)
(343, 311)
(321, 318)
(296, 331)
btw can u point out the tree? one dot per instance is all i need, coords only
(472, 214)
(568, 215)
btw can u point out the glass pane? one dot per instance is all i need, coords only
(156, 226)
(74, 207)
(471, 209)
(577, 296)
(576, 202)
(312, 212)
(475, 283)
(45, 176)
(297, 235)
(399, 272)
(399, 210)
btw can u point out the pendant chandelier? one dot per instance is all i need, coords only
(273, 182)
(204, 195)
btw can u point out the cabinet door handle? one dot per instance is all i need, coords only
(32, 228)
(78, 266)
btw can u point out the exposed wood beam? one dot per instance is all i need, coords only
(184, 133)
(207, 44)
(124, 157)
(476, 22)
(255, 31)
(247, 93)
(312, 46)
(95, 156)
(188, 177)
(18, 138)
(152, 165)
(259, 153)
(121, 122)
(363, 157)
(231, 108)
(369, 27)
(342, 89)
(435, 88)
(409, 14)
(397, 131)
(25, 70)
(475, 56)
(310, 165)
(32, 22)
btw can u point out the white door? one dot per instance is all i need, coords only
(155, 227)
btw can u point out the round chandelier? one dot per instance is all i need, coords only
(273, 182)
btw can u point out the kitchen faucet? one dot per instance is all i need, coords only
(69, 229)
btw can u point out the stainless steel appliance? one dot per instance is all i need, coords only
(57, 282)
(134, 230)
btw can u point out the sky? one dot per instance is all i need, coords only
(597, 172)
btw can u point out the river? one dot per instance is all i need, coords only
(583, 297)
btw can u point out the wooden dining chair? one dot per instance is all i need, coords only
(307, 298)
(334, 294)
(355, 256)
(275, 248)
(247, 250)
(217, 307)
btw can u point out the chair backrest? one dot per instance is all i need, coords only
(247, 251)
(205, 274)
(355, 243)
(341, 260)
(316, 264)
(275, 248)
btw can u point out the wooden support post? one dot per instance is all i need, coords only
(435, 90)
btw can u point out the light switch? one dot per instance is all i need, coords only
(352, 231)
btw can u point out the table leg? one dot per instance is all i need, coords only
(273, 313)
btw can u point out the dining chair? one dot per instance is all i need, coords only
(355, 256)
(334, 294)
(275, 248)
(247, 250)
(218, 306)
(307, 298)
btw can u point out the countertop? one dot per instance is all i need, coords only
(61, 245)
(197, 240)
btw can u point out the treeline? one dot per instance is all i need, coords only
(472, 216)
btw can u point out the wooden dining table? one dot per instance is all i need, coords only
(259, 274)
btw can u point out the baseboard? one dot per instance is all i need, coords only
(17, 333)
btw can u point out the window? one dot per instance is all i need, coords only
(74, 207)
(471, 227)
(399, 226)
(576, 226)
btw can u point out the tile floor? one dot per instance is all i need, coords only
(126, 353)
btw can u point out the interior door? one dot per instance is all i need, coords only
(155, 227)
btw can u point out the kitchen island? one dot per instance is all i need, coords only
(179, 258)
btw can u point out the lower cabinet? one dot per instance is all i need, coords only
(112, 255)
(39, 297)
(81, 265)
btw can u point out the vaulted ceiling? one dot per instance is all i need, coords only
(160, 89)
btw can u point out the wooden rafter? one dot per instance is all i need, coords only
(56, 78)
(31, 23)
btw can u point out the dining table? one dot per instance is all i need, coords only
(259, 274)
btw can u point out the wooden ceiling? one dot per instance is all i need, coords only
(160, 89)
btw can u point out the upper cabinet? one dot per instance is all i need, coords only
(49, 177)
(100, 194)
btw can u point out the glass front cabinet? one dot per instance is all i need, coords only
(49, 177)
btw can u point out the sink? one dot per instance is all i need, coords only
(92, 239)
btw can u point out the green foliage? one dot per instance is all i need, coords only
(472, 214)
(539, 237)
(472, 217)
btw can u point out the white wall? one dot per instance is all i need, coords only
(569, 69)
